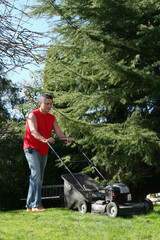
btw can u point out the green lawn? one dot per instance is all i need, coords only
(64, 224)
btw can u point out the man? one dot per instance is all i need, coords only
(39, 126)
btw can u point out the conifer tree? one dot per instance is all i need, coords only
(103, 71)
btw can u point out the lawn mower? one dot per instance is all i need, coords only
(83, 193)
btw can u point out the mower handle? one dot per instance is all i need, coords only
(81, 151)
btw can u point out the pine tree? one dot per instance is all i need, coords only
(103, 71)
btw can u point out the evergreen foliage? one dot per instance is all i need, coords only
(11, 152)
(104, 73)
(14, 170)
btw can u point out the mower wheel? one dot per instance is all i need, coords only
(112, 209)
(84, 207)
(148, 204)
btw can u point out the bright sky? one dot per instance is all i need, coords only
(38, 25)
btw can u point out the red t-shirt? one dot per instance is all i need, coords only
(45, 126)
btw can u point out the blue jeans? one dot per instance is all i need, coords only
(37, 163)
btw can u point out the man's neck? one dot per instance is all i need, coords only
(42, 111)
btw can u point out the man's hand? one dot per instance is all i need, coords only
(66, 139)
(69, 139)
(50, 140)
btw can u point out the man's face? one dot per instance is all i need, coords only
(46, 105)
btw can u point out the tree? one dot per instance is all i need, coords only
(103, 71)
(11, 158)
(31, 92)
(18, 45)
(9, 97)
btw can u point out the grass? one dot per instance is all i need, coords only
(64, 224)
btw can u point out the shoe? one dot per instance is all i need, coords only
(29, 210)
(38, 209)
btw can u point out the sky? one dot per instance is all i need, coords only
(38, 25)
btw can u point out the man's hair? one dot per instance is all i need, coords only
(45, 96)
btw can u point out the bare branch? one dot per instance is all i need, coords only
(18, 45)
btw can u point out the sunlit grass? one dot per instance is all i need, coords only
(64, 224)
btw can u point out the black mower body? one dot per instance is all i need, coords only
(112, 199)
(84, 193)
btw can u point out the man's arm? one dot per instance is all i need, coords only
(32, 122)
(59, 132)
